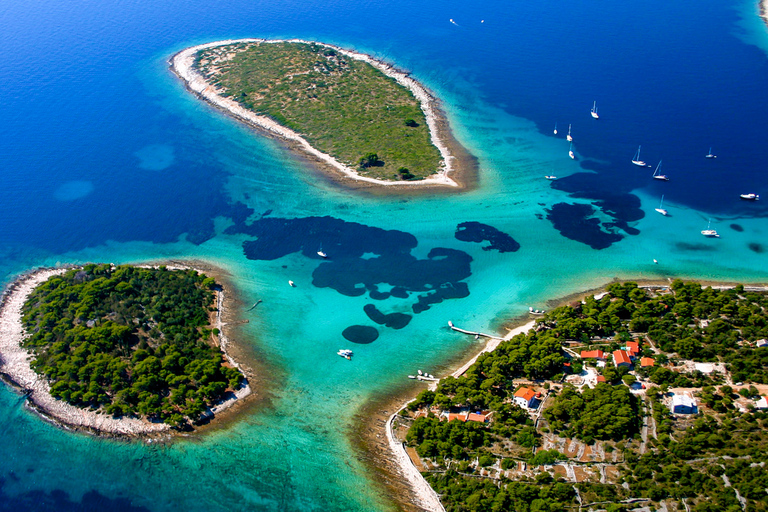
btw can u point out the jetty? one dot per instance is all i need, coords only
(473, 333)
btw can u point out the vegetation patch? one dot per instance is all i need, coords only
(342, 106)
(129, 341)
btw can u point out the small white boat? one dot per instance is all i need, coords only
(711, 233)
(636, 160)
(661, 209)
(657, 176)
(292, 284)
(750, 197)
(594, 110)
(322, 254)
(550, 177)
(345, 353)
(411, 376)
(655, 261)
(568, 137)
(710, 155)
(535, 311)
(555, 129)
(570, 152)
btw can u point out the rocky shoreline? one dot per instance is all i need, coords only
(182, 65)
(16, 371)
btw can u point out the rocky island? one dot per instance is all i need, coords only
(349, 113)
(119, 350)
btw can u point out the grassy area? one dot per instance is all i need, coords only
(343, 107)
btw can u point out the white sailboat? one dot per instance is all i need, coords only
(661, 209)
(710, 155)
(636, 160)
(594, 110)
(711, 233)
(657, 176)
(568, 137)
(570, 152)
(555, 128)
(550, 177)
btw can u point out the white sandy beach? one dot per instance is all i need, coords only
(182, 64)
(15, 365)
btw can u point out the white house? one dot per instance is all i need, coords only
(762, 403)
(525, 398)
(683, 404)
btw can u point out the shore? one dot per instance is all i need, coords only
(763, 8)
(458, 168)
(15, 370)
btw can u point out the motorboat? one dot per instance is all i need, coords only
(345, 353)
(322, 254)
(550, 177)
(293, 285)
(750, 197)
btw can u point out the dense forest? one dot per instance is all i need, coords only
(711, 461)
(129, 341)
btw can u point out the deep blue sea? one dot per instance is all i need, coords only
(106, 157)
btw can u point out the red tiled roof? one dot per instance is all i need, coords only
(600, 378)
(647, 361)
(592, 354)
(476, 417)
(621, 357)
(633, 347)
(525, 393)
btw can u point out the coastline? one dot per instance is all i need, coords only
(455, 158)
(762, 7)
(16, 371)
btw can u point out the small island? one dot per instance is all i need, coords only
(343, 110)
(638, 398)
(120, 350)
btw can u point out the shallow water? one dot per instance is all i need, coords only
(106, 157)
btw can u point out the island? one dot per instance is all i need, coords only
(638, 398)
(119, 349)
(351, 114)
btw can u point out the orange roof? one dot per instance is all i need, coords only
(621, 357)
(525, 393)
(633, 347)
(600, 378)
(647, 361)
(476, 417)
(592, 354)
(462, 416)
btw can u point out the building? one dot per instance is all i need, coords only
(762, 403)
(600, 379)
(525, 398)
(592, 354)
(633, 347)
(621, 358)
(761, 343)
(646, 362)
(683, 404)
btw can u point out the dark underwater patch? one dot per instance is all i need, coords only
(361, 334)
(361, 258)
(59, 501)
(610, 195)
(755, 247)
(575, 221)
(393, 320)
(477, 232)
(737, 227)
(685, 246)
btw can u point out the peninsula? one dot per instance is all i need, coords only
(119, 350)
(353, 115)
(638, 398)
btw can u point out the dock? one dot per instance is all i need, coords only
(473, 333)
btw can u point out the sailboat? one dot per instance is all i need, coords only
(568, 137)
(636, 160)
(594, 110)
(570, 152)
(661, 209)
(710, 155)
(555, 128)
(710, 232)
(657, 176)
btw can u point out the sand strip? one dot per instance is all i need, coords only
(183, 65)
